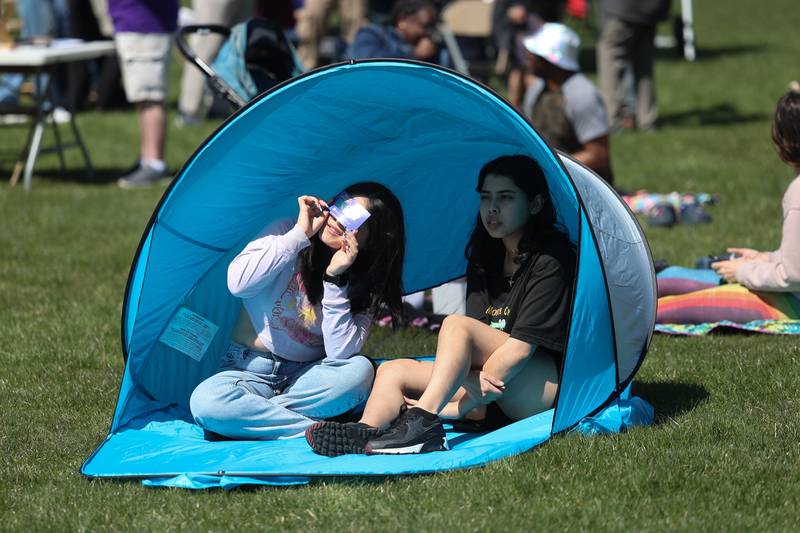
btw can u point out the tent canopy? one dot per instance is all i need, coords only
(422, 131)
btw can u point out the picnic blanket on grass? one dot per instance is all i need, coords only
(772, 327)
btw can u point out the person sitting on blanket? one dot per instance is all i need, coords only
(309, 291)
(761, 285)
(500, 362)
(406, 35)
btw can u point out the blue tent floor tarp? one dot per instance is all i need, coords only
(169, 448)
(170, 452)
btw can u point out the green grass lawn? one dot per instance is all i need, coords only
(723, 454)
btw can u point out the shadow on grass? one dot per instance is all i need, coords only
(717, 115)
(587, 56)
(670, 399)
(77, 174)
(704, 53)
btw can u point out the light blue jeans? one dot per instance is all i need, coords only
(258, 395)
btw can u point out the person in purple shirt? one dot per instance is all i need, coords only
(143, 32)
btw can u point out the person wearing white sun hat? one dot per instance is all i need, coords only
(564, 106)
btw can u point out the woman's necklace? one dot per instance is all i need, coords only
(510, 265)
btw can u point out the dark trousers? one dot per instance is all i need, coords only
(622, 46)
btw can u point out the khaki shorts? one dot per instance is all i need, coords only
(144, 59)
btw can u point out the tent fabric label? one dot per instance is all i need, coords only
(189, 333)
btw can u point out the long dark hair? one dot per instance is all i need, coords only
(786, 128)
(376, 276)
(485, 253)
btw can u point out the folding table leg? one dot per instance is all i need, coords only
(33, 151)
(79, 140)
(38, 130)
(20, 165)
(59, 146)
(687, 17)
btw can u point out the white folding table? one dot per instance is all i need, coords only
(38, 60)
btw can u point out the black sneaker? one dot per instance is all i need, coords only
(337, 438)
(414, 431)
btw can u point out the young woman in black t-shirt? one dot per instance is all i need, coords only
(502, 358)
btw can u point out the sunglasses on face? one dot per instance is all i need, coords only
(348, 212)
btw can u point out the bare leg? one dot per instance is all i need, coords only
(311, 20)
(393, 382)
(153, 127)
(464, 343)
(353, 15)
(515, 88)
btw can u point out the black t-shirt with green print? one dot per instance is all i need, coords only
(533, 305)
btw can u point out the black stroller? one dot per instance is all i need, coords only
(255, 56)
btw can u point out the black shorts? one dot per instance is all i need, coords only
(495, 417)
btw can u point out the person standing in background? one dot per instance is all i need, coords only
(143, 31)
(562, 103)
(512, 20)
(311, 24)
(96, 83)
(626, 41)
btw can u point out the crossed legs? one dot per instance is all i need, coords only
(464, 344)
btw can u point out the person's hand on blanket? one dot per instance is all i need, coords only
(749, 254)
(727, 269)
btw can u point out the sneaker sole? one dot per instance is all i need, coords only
(333, 441)
(423, 447)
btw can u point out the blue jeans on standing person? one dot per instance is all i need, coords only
(258, 395)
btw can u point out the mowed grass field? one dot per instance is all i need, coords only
(723, 454)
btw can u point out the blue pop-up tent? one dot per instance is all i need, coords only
(424, 132)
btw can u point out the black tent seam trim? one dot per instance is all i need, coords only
(622, 384)
(629, 379)
(571, 312)
(605, 283)
(610, 308)
(648, 340)
(643, 352)
(617, 390)
(181, 236)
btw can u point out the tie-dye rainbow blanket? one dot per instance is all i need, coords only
(772, 327)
